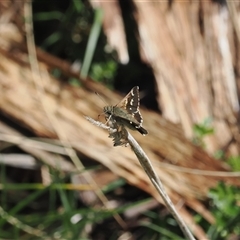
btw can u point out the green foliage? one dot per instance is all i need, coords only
(65, 27)
(114, 185)
(73, 32)
(92, 42)
(39, 214)
(219, 154)
(104, 72)
(202, 130)
(160, 227)
(234, 162)
(225, 207)
(224, 199)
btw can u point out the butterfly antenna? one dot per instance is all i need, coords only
(103, 112)
(103, 102)
(101, 98)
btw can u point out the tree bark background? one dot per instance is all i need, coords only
(193, 49)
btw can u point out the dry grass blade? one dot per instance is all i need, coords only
(148, 168)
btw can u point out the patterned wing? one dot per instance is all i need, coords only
(130, 103)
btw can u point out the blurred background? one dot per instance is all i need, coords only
(61, 177)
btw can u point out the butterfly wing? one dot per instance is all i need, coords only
(130, 103)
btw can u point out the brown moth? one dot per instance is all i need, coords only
(126, 112)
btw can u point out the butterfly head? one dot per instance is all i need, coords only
(108, 111)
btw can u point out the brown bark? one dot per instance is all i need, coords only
(113, 27)
(193, 48)
(193, 64)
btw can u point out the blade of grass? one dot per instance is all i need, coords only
(161, 230)
(46, 16)
(68, 211)
(3, 181)
(92, 43)
(24, 202)
(38, 186)
(19, 225)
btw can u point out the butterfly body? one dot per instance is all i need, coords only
(127, 112)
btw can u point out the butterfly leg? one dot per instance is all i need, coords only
(108, 119)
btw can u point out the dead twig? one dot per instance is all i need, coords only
(148, 168)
